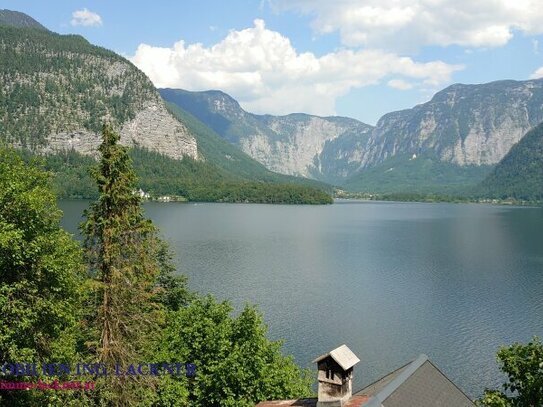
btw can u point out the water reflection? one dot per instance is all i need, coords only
(391, 280)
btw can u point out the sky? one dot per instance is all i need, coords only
(354, 58)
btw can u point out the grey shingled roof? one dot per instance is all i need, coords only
(343, 356)
(417, 384)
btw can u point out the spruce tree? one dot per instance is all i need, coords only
(124, 253)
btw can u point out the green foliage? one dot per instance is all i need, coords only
(71, 175)
(135, 286)
(523, 365)
(423, 175)
(203, 182)
(160, 175)
(171, 288)
(125, 258)
(519, 175)
(41, 269)
(230, 159)
(415, 197)
(134, 309)
(236, 365)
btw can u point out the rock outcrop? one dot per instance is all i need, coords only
(58, 90)
(324, 148)
(462, 124)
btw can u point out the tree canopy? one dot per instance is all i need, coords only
(141, 310)
(41, 270)
(523, 365)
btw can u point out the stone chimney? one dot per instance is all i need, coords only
(335, 377)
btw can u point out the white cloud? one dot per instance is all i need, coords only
(399, 84)
(261, 69)
(410, 24)
(535, 46)
(537, 74)
(86, 18)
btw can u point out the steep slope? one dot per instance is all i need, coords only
(296, 144)
(458, 136)
(18, 19)
(462, 124)
(423, 174)
(58, 89)
(519, 174)
(231, 160)
(56, 92)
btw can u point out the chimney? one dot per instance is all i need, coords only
(335, 376)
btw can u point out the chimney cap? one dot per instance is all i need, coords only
(342, 355)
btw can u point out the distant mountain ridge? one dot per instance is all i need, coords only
(295, 144)
(17, 19)
(459, 134)
(462, 124)
(58, 89)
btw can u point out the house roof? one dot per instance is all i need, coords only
(354, 401)
(288, 403)
(343, 356)
(417, 384)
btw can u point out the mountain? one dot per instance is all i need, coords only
(451, 143)
(229, 159)
(462, 124)
(58, 89)
(422, 174)
(458, 136)
(519, 174)
(323, 148)
(56, 92)
(18, 19)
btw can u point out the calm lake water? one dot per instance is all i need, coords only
(391, 280)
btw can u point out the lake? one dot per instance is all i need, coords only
(390, 280)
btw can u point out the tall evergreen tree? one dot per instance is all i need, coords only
(124, 253)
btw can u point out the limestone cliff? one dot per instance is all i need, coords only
(324, 148)
(57, 90)
(462, 124)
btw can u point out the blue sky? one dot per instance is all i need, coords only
(356, 58)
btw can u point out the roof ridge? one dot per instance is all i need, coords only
(377, 399)
(446, 377)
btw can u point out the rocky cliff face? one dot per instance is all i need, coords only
(462, 124)
(153, 128)
(324, 148)
(310, 146)
(57, 90)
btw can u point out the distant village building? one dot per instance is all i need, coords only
(417, 384)
(142, 194)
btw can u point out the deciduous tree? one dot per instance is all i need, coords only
(41, 270)
(523, 365)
